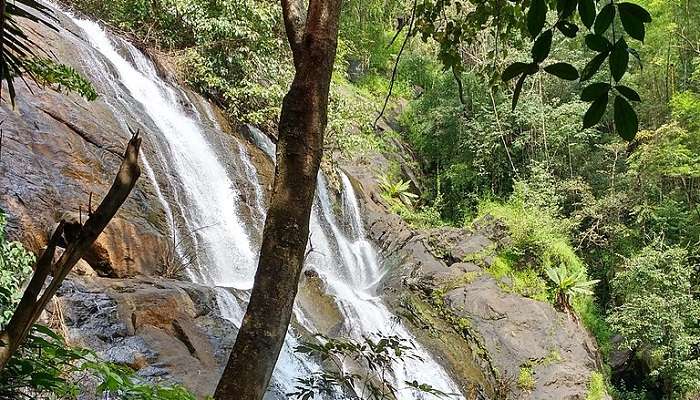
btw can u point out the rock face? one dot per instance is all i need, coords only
(164, 329)
(58, 149)
(516, 347)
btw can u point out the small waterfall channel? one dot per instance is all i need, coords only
(200, 196)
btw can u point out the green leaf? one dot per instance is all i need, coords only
(536, 17)
(562, 70)
(632, 24)
(593, 66)
(595, 111)
(542, 46)
(628, 92)
(626, 121)
(636, 55)
(619, 60)
(48, 332)
(604, 19)
(518, 90)
(586, 9)
(567, 29)
(594, 91)
(636, 10)
(598, 43)
(565, 8)
(513, 70)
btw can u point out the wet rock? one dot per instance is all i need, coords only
(320, 307)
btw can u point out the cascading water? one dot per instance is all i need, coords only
(350, 267)
(210, 191)
(204, 203)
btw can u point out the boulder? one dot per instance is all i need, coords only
(166, 330)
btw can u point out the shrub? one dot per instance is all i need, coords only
(540, 238)
(526, 379)
(568, 284)
(397, 189)
(658, 315)
(15, 267)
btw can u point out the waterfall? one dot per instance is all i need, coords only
(200, 198)
(211, 219)
(210, 191)
(352, 278)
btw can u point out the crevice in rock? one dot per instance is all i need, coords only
(98, 258)
(84, 135)
(182, 336)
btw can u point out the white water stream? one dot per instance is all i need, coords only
(226, 257)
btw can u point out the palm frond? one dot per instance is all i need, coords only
(16, 46)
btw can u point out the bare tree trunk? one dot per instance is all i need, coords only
(313, 40)
(33, 300)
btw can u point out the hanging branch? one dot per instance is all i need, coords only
(460, 87)
(402, 24)
(33, 300)
(396, 63)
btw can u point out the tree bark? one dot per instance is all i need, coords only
(313, 39)
(33, 301)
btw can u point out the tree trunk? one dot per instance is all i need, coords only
(313, 40)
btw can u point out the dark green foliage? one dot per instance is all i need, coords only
(619, 60)
(595, 111)
(542, 46)
(594, 91)
(587, 11)
(45, 367)
(629, 93)
(563, 71)
(594, 65)
(16, 47)
(625, 119)
(598, 43)
(536, 17)
(604, 19)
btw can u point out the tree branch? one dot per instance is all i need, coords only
(396, 64)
